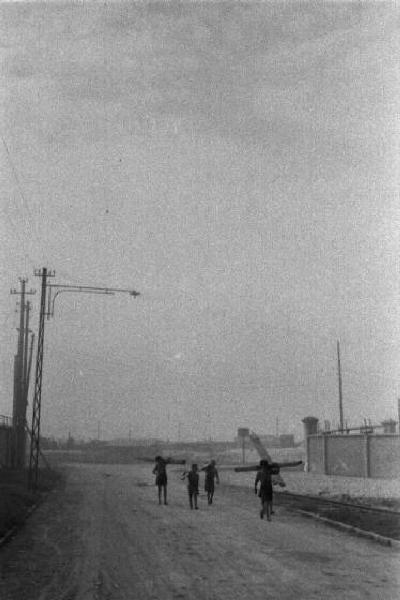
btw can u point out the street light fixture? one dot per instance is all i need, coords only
(36, 407)
(86, 289)
(50, 304)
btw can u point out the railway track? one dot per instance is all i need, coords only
(381, 521)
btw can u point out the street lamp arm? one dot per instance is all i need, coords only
(51, 312)
(88, 289)
(92, 288)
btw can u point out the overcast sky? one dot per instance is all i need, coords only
(236, 163)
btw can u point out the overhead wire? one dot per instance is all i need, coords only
(28, 210)
(15, 173)
(25, 202)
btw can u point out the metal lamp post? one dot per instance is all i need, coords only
(36, 407)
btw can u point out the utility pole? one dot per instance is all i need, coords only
(20, 365)
(36, 407)
(28, 374)
(14, 414)
(24, 387)
(26, 344)
(18, 359)
(340, 389)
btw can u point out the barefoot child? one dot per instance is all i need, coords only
(160, 471)
(193, 485)
(264, 476)
(211, 475)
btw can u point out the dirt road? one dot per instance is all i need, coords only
(106, 538)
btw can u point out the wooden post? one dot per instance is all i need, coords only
(325, 453)
(367, 458)
(243, 432)
(307, 469)
(340, 389)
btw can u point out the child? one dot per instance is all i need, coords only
(193, 485)
(264, 476)
(211, 474)
(160, 471)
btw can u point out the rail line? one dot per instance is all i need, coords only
(382, 521)
(366, 507)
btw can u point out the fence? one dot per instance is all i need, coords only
(5, 421)
(6, 441)
(357, 455)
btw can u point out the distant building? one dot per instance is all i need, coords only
(136, 441)
(286, 440)
(270, 441)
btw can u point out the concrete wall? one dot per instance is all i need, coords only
(384, 455)
(315, 453)
(361, 455)
(346, 455)
(6, 446)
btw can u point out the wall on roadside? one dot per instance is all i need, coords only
(315, 454)
(346, 455)
(6, 445)
(385, 456)
(360, 455)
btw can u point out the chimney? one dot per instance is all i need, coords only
(310, 426)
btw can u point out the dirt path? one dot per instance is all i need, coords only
(106, 538)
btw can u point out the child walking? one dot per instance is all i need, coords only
(193, 485)
(211, 475)
(264, 476)
(160, 471)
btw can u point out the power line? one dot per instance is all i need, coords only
(14, 170)
(23, 197)
(17, 233)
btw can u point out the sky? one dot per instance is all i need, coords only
(237, 163)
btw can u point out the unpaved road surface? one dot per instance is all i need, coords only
(104, 537)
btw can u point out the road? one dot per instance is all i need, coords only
(104, 537)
